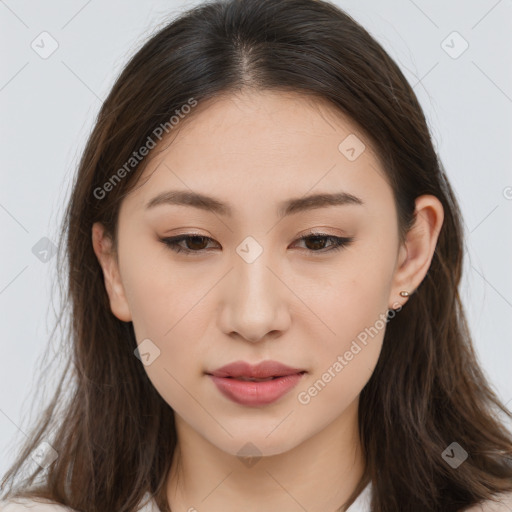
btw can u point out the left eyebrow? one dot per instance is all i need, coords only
(285, 208)
(292, 206)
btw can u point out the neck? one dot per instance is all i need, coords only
(317, 475)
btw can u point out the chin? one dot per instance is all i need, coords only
(257, 444)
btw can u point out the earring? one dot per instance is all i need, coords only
(404, 293)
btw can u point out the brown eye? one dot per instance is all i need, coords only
(316, 243)
(193, 243)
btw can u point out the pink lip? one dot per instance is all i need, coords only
(259, 371)
(255, 393)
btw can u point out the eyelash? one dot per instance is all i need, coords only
(338, 242)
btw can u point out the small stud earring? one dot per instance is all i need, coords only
(404, 293)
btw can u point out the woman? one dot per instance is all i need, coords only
(264, 258)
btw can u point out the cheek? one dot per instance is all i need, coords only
(167, 317)
(172, 315)
(352, 302)
(160, 294)
(347, 353)
(351, 299)
(168, 308)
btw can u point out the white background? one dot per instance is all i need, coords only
(48, 106)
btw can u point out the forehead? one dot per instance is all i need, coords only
(255, 123)
(265, 144)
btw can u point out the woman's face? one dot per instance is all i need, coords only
(252, 289)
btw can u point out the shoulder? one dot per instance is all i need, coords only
(502, 503)
(26, 505)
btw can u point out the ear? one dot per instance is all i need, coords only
(418, 249)
(102, 245)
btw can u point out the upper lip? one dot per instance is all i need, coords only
(259, 371)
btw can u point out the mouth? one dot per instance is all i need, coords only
(266, 370)
(255, 385)
(253, 379)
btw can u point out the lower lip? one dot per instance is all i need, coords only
(256, 393)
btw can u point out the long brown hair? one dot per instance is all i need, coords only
(113, 433)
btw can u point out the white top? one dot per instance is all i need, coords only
(362, 502)
(148, 504)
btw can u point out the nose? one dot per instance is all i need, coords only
(254, 302)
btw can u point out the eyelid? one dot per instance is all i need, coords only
(318, 232)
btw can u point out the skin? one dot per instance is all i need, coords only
(253, 150)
